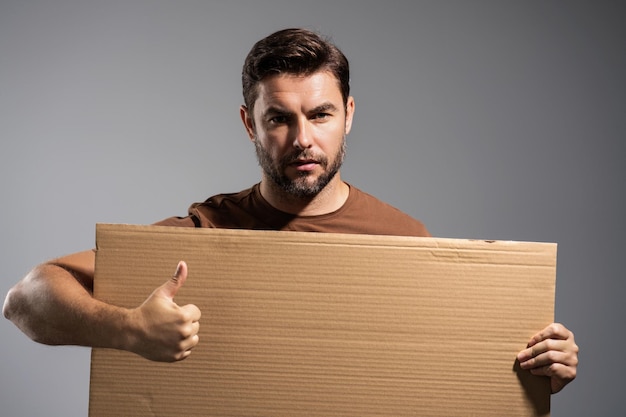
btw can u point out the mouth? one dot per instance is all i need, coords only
(305, 165)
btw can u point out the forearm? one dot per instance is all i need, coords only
(51, 306)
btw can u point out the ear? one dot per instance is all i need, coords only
(349, 113)
(248, 121)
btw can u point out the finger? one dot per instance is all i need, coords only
(188, 343)
(533, 352)
(552, 331)
(182, 355)
(171, 287)
(189, 330)
(557, 355)
(195, 327)
(544, 355)
(192, 312)
(558, 370)
(545, 359)
(542, 371)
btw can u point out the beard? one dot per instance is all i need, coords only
(302, 186)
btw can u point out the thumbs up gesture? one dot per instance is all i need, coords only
(165, 331)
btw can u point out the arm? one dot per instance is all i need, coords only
(552, 352)
(54, 305)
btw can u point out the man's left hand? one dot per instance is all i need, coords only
(552, 352)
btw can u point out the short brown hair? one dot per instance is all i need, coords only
(293, 51)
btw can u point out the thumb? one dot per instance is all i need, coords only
(171, 287)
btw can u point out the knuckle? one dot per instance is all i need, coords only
(185, 332)
(185, 316)
(534, 351)
(566, 373)
(555, 328)
(551, 356)
(571, 374)
(181, 347)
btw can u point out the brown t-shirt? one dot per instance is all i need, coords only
(361, 213)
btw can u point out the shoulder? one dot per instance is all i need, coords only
(379, 217)
(228, 210)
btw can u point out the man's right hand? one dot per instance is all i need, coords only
(165, 331)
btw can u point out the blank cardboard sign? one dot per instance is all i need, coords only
(312, 324)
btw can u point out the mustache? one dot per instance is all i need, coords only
(305, 154)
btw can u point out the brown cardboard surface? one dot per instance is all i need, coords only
(310, 324)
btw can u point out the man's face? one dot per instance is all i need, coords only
(298, 128)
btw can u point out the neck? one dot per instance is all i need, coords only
(330, 199)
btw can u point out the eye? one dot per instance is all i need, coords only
(279, 119)
(321, 116)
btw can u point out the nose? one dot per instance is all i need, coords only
(302, 135)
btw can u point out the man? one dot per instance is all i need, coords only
(297, 113)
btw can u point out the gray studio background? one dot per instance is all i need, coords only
(495, 120)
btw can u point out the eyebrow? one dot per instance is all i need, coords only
(328, 106)
(277, 110)
(324, 107)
